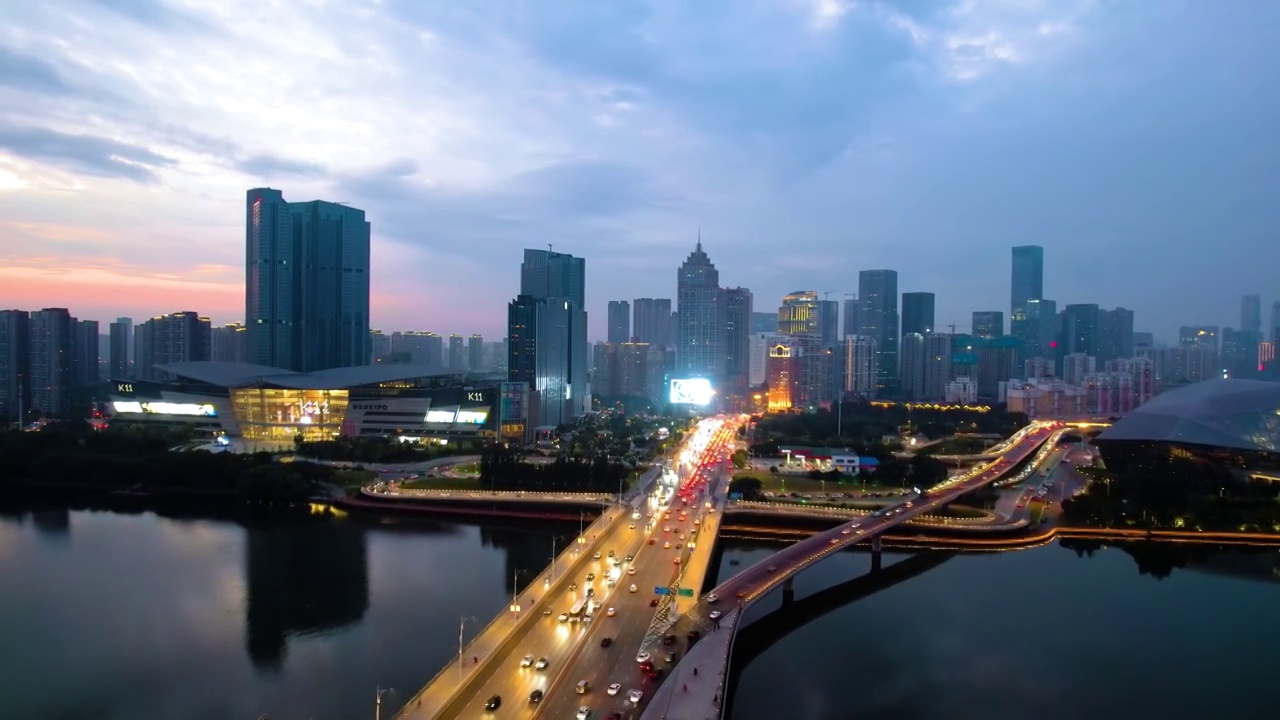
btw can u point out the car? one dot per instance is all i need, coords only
(677, 561)
(564, 617)
(606, 642)
(535, 697)
(666, 546)
(627, 558)
(614, 689)
(541, 664)
(713, 598)
(835, 541)
(845, 531)
(597, 555)
(653, 602)
(714, 615)
(633, 588)
(573, 587)
(493, 703)
(668, 639)
(610, 553)
(642, 658)
(773, 568)
(584, 713)
(582, 687)
(632, 526)
(635, 696)
(527, 661)
(591, 577)
(546, 611)
(611, 583)
(631, 571)
(610, 612)
(651, 541)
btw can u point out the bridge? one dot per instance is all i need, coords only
(642, 600)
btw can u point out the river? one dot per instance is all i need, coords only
(108, 616)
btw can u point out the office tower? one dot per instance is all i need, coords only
(1143, 340)
(938, 359)
(1251, 315)
(799, 314)
(653, 323)
(850, 326)
(917, 313)
(1240, 357)
(475, 353)
(15, 364)
(780, 380)
(829, 321)
(997, 363)
(987, 324)
(547, 336)
(457, 354)
(178, 337)
(1039, 328)
(764, 322)
(229, 343)
(307, 283)
(878, 319)
(619, 321)
(1115, 334)
(1201, 336)
(52, 362)
(84, 359)
(698, 335)
(121, 334)
(736, 340)
(1027, 284)
(856, 371)
(1079, 330)
(912, 350)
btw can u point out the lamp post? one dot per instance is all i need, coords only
(515, 593)
(546, 584)
(462, 621)
(377, 708)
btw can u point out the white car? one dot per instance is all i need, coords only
(714, 615)
(541, 664)
(631, 571)
(642, 657)
(596, 556)
(527, 661)
(610, 612)
(584, 713)
(635, 696)
(633, 588)
(614, 689)
(713, 598)
(564, 617)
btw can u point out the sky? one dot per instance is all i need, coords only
(804, 140)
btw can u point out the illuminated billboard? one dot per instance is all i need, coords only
(441, 416)
(472, 417)
(690, 391)
(165, 408)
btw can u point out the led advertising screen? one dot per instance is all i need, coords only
(690, 391)
(165, 408)
(441, 416)
(472, 417)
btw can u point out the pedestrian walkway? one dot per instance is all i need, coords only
(686, 696)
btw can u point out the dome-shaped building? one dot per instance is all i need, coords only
(1234, 422)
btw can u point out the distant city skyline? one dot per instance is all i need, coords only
(924, 138)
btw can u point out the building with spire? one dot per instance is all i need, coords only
(698, 317)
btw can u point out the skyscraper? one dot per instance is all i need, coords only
(475, 353)
(736, 342)
(1115, 335)
(988, 324)
(85, 357)
(878, 318)
(307, 283)
(652, 321)
(1251, 315)
(1039, 329)
(229, 343)
(850, 317)
(1080, 330)
(121, 340)
(15, 364)
(800, 314)
(917, 313)
(547, 336)
(829, 321)
(173, 338)
(457, 354)
(51, 361)
(699, 322)
(619, 321)
(1027, 283)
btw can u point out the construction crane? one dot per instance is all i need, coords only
(953, 326)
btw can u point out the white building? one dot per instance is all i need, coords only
(962, 391)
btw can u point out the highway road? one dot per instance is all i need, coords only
(637, 624)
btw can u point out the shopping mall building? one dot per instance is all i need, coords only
(258, 403)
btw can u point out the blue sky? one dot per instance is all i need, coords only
(808, 139)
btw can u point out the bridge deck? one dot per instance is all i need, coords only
(685, 696)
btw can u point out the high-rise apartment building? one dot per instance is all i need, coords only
(121, 344)
(1026, 284)
(850, 326)
(84, 359)
(760, 344)
(653, 323)
(699, 320)
(912, 351)
(987, 324)
(547, 336)
(307, 283)
(229, 343)
(829, 321)
(52, 362)
(1251, 315)
(918, 313)
(619, 321)
(1039, 329)
(475, 353)
(418, 348)
(855, 373)
(1201, 336)
(178, 337)
(878, 319)
(15, 364)
(736, 340)
(1115, 334)
(457, 353)
(938, 350)
(1080, 330)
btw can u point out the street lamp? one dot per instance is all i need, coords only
(515, 591)
(377, 708)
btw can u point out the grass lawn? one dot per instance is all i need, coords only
(443, 483)
(354, 479)
(471, 468)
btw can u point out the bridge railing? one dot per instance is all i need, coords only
(728, 663)
(852, 512)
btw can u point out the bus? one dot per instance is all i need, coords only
(578, 610)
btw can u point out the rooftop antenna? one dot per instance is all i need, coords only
(550, 247)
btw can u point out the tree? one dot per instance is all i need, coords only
(740, 458)
(749, 487)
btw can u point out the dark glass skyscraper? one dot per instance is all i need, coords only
(699, 326)
(987, 324)
(619, 321)
(917, 312)
(307, 283)
(1026, 284)
(736, 343)
(652, 321)
(547, 336)
(878, 318)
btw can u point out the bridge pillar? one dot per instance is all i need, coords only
(788, 591)
(876, 547)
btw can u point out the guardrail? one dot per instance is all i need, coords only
(851, 512)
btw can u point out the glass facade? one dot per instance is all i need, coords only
(281, 414)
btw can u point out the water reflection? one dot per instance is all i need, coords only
(1160, 559)
(302, 578)
(52, 521)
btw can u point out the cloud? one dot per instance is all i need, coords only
(97, 156)
(25, 72)
(269, 166)
(154, 13)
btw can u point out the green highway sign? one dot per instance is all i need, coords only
(686, 592)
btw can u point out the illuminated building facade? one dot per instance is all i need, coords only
(781, 371)
(275, 406)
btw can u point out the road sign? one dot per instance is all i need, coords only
(662, 591)
(686, 592)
